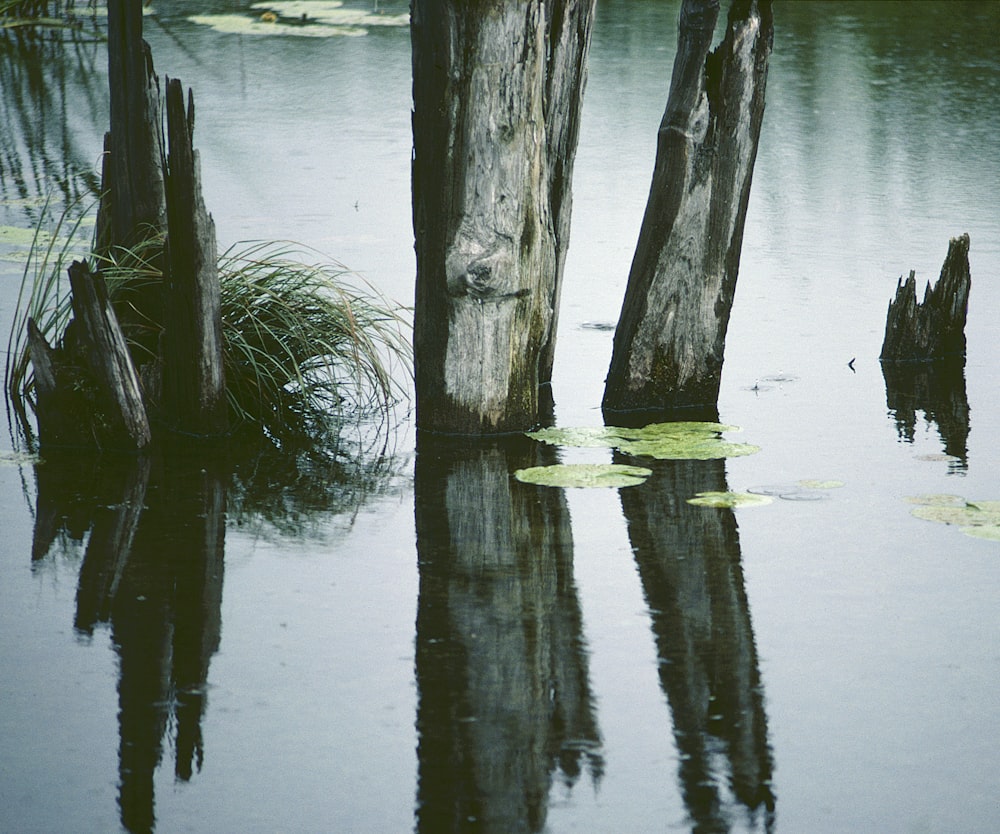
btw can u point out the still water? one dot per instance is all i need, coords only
(413, 641)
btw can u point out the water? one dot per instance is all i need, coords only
(421, 643)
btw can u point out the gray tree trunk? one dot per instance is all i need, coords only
(194, 384)
(670, 340)
(497, 87)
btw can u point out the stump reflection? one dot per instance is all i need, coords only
(153, 570)
(689, 565)
(938, 390)
(502, 675)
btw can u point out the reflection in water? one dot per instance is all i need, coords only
(48, 86)
(502, 676)
(689, 564)
(153, 570)
(938, 389)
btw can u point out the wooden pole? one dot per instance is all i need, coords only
(669, 344)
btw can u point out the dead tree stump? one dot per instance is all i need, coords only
(88, 391)
(935, 328)
(194, 386)
(670, 340)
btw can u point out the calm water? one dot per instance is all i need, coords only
(415, 641)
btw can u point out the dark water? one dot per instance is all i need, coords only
(408, 639)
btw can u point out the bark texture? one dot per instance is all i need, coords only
(133, 181)
(934, 328)
(194, 395)
(670, 340)
(497, 86)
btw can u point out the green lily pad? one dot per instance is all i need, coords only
(330, 12)
(809, 483)
(985, 531)
(980, 519)
(937, 500)
(663, 441)
(16, 236)
(18, 458)
(584, 475)
(239, 24)
(729, 499)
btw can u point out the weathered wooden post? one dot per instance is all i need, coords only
(193, 399)
(670, 340)
(497, 88)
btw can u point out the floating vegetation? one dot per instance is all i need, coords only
(18, 458)
(729, 499)
(569, 475)
(979, 519)
(804, 490)
(663, 441)
(301, 18)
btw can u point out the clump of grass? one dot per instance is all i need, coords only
(304, 340)
(307, 346)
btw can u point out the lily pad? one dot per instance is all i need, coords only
(331, 13)
(239, 24)
(937, 500)
(663, 441)
(729, 499)
(584, 475)
(18, 458)
(809, 483)
(980, 519)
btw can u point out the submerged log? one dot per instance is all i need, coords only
(934, 328)
(669, 344)
(194, 387)
(496, 89)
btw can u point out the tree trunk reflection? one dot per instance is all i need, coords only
(689, 564)
(504, 695)
(153, 569)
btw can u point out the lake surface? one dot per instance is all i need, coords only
(413, 641)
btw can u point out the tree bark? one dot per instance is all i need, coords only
(497, 87)
(194, 396)
(133, 181)
(106, 355)
(935, 328)
(670, 340)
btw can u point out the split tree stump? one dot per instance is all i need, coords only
(934, 328)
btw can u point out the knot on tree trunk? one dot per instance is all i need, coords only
(482, 270)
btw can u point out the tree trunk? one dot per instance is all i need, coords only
(99, 339)
(497, 88)
(194, 396)
(670, 340)
(133, 182)
(934, 329)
